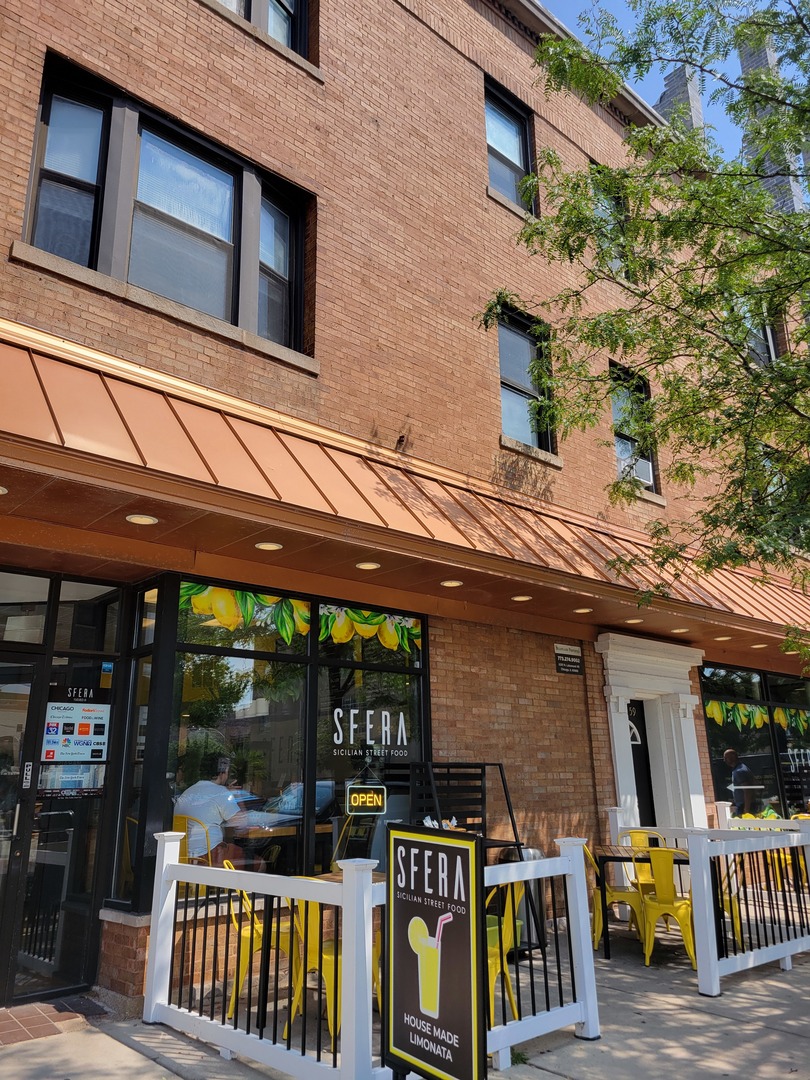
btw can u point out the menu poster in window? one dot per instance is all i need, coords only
(434, 962)
(77, 724)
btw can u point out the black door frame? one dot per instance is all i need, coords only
(11, 909)
(645, 795)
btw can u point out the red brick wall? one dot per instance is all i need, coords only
(496, 697)
(409, 246)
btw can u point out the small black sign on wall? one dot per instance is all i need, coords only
(568, 659)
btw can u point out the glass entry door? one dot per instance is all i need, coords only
(47, 853)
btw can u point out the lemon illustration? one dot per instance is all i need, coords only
(715, 710)
(201, 603)
(342, 628)
(780, 716)
(365, 630)
(225, 609)
(387, 633)
(268, 601)
(301, 615)
(417, 934)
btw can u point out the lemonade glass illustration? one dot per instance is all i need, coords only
(429, 955)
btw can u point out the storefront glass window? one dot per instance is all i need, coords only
(87, 617)
(127, 840)
(280, 718)
(769, 736)
(148, 614)
(236, 618)
(23, 602)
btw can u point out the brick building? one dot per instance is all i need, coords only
(269, 492)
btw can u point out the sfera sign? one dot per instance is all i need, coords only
(434, 960)
(366, 798)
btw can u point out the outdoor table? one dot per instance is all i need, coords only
(618, 853)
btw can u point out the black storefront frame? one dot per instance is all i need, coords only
(43, 654)
(156, 807)
(768, 702)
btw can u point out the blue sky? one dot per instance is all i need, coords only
(568, 11)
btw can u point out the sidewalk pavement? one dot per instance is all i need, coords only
(654, 1024)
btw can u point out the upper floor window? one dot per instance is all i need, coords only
(629, 393)
(123, 191)
(762, 343)
(517, 349)
(611, 211)
(507, 144)
(283, 20)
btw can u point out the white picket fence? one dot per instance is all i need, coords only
(750, 893)
(356, 896)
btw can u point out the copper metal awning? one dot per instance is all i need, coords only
(148, 430)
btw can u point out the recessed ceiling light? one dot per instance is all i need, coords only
(680, 630)
(521, 599)
(762, 645)
(723, 637)
(582, 610)
(142, 519)
(633, 621)
(451, 583)
(3, 490)
(268, 545)
(367, 565)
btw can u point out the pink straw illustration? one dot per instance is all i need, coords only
(442, 920)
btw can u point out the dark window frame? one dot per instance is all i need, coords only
(126, 119)
(257, 13)
(636, 386)
(515, 110)
(521, 324)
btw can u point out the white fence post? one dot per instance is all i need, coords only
(355, 1039)
(580, 934)
(158, 961)
(708, 969)
(723, 811)
(614, 823)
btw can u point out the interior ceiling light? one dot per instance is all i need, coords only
(633, 621)
(3, 490)
(680, 630)
(142, 519)
(268, 545)
(367, 565)
(451, 583)
(521, 599)
(724, 637)
(762, 645)
(582, 610)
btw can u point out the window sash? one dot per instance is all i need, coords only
(120, 225)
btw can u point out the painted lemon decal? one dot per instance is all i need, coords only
(224, 608)
(201, 603)
(342, 628)
(387, 633)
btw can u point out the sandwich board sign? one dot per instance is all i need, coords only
(434, 1017)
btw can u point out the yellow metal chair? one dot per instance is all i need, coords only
(614, 894)
(181, 824)
(318, 956)
(500, 944)
(250, 939)
(665, 901)
(640, 838)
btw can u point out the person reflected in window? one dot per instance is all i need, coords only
(742, 784)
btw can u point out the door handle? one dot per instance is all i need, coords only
(16, 821)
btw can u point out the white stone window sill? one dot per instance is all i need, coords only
(554, 460)
(507, 204)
